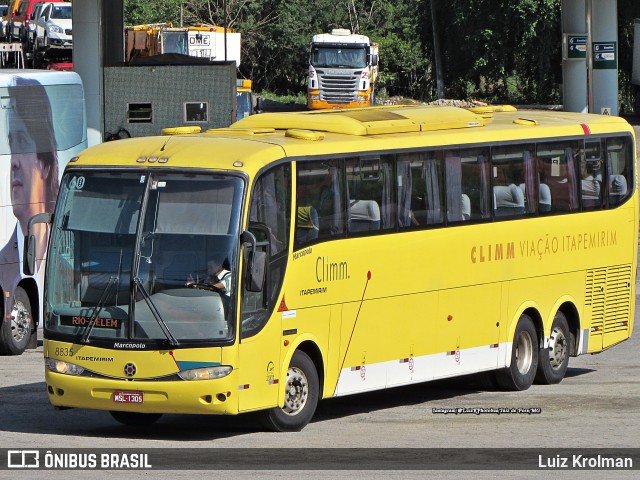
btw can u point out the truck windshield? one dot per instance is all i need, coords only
(175, 42)
(143, 257)
(332, 56)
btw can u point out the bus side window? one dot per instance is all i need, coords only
(458, 202)
(591, 175)
(425, 174)
(270, 206)
(370, 194)
(619, 170)
(474, 170)
(320, 193)
(514, 185)
(307, 222)
(453, 187)
(557, 172)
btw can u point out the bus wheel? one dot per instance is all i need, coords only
(553, 362)
(524, 357)
(135, 419)
(16, 332)
(301, 395)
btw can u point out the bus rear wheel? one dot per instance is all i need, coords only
(524, 358)
(302, 391)
(554, 360)
(135, 419)
(16, 331)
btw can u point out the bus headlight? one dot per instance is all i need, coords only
(59, 366)
(207, 373)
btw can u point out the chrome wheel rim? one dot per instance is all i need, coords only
(297, 391)
(20, 322)
(557, 348)
(524, 352)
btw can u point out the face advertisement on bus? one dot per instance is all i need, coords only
(43, 125)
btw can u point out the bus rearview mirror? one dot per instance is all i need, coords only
(29, 260)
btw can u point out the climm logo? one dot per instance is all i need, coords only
(493, 252)
(330, 271)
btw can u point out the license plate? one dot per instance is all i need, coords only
(128, 397)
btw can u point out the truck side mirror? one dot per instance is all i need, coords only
(29, 260)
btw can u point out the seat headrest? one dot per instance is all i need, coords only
(365, 210)
(545, 194)
(618, 184)
(508, 196)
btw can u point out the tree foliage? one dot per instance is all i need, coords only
(494, 50)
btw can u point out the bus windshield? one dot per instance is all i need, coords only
(144, 257)
(338, 56)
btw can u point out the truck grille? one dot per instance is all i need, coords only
(338, 87)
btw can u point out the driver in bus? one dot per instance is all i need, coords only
(218, 276)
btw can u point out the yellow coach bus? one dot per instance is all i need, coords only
(300, 256)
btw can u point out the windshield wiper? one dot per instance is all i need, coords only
(156, 313)
(98, 308)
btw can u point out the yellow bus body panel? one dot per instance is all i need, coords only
(389, 309)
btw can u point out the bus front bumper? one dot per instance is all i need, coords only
(180, 396)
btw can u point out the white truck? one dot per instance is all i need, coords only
(343, 70)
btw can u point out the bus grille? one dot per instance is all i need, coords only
(608, 293)
(338, 88)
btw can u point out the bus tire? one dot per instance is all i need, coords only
(524, 357)
(553, 361)
(16, 331)
(135, 419)
(302, 391)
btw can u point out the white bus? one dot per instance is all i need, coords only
(42, 126)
